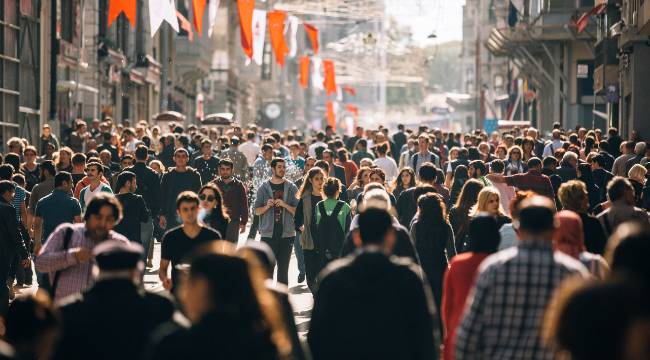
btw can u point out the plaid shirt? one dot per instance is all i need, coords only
(505, 310)
(75, 277)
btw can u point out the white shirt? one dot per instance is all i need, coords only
(314, 146)
(89, 194)
(389, 166)
(250, 150)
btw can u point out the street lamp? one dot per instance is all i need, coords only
(432, 36)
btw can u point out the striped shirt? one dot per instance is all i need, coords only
(75, 276)
(505, 310)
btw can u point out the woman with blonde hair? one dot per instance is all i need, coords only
(489, 203)
(637, 178)
(64, 160)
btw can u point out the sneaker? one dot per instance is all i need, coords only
(149, 263)
(301, 277)
(12, 293)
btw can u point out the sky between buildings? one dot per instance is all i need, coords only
(442, 17)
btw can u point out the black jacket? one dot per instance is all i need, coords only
(11, 242)
(148, 186)
(407, 203)
(601, 179)
(609, 160)
(112, 320)
(595, 240)
(403, 245)
(174, 183)
(370, 306)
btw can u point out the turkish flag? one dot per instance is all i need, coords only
(276, 20)
(331, 116)
(199, 9)
(304, 71)
(245, 9)
(352, 109)
(312, 32)
(350, 90)
(115, 7)
(330, 77)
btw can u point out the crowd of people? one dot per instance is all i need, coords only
(415, 244)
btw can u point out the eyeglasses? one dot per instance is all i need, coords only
(209, 198)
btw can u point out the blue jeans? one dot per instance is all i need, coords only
(146, 236)
(297, 248)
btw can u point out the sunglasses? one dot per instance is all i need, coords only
(209, 198)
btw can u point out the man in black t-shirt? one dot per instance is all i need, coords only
(207, 164)
(134, 209)
(180, 241)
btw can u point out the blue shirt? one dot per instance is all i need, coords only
(19, 198)
(55, 209)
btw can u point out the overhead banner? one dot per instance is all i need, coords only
(245, 9)
(331, 114)
(329, 83)
(316, 77)
(294, 22)
(116, 7)
(198, 8)
(276, 20)
(312, 33)
(259, 34)
(213, 7)
(304, 71)
(162, 10)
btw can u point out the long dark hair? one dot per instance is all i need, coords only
(219, 209)
(431, 209)
(306, 183)
(398, 185)
(461, 173)
(466, 200)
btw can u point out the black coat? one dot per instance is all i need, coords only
(112, 320)
(215, 336)
(11, 243)
(403, 245)
(370, 306)
(601, 179)
(148, 186)
(595, 239)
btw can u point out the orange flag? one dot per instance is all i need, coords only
(312, 32)
(352, 109)
(276, 20)
(350, 90)
(331, 117)
(185, 25)
(199, 9)
(245, 9)
(329, 83)
(304, 71)
(115, 7)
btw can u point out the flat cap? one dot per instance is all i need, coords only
(117, 255)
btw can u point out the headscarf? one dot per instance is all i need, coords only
(569, 237)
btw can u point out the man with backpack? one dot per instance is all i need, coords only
(424, 154)
(332, 220)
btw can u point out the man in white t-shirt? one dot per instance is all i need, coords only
(250, 149)
(320, 142)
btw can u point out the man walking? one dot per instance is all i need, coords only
(238, 159)
(95, 172)
(134, 210)
(11, 243)
(275, 205)
(250, 149)
(44, 187)
(67, 254)
(423, 155)
(117, 309)
(497, 326)
(235, 199)
(207, 163)
(350, 319)
(178, 179)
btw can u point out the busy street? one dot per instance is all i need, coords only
(324, 179)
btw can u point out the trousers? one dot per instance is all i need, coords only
(282, 250)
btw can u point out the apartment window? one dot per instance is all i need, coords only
(9, 70)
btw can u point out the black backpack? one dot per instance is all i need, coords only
(330, 234)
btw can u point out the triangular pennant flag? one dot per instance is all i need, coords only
(331, 115)
(312, 32)
(116, 7)
(304, 71)
(293, 31)
(329, 83)
(185, 25)
(245, 9)
(316, 77)
(213, 7)
(162, 10)
(352, 109)
(259, 34)
(197, 15)
(350, 90)
(276, 20)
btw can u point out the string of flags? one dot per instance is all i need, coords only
(253, 25)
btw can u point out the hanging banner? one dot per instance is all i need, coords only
(352, 109)
(293, 32)
(312, 33)
(198, 9)
(116, 7)
(316, 77)
(162, 10)
(331, 115)
(350, 90)
(185, 25)
(259, 33)
(276, 20)
(329, 83)
(213, 7)
(304, 71)
(245, 9)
